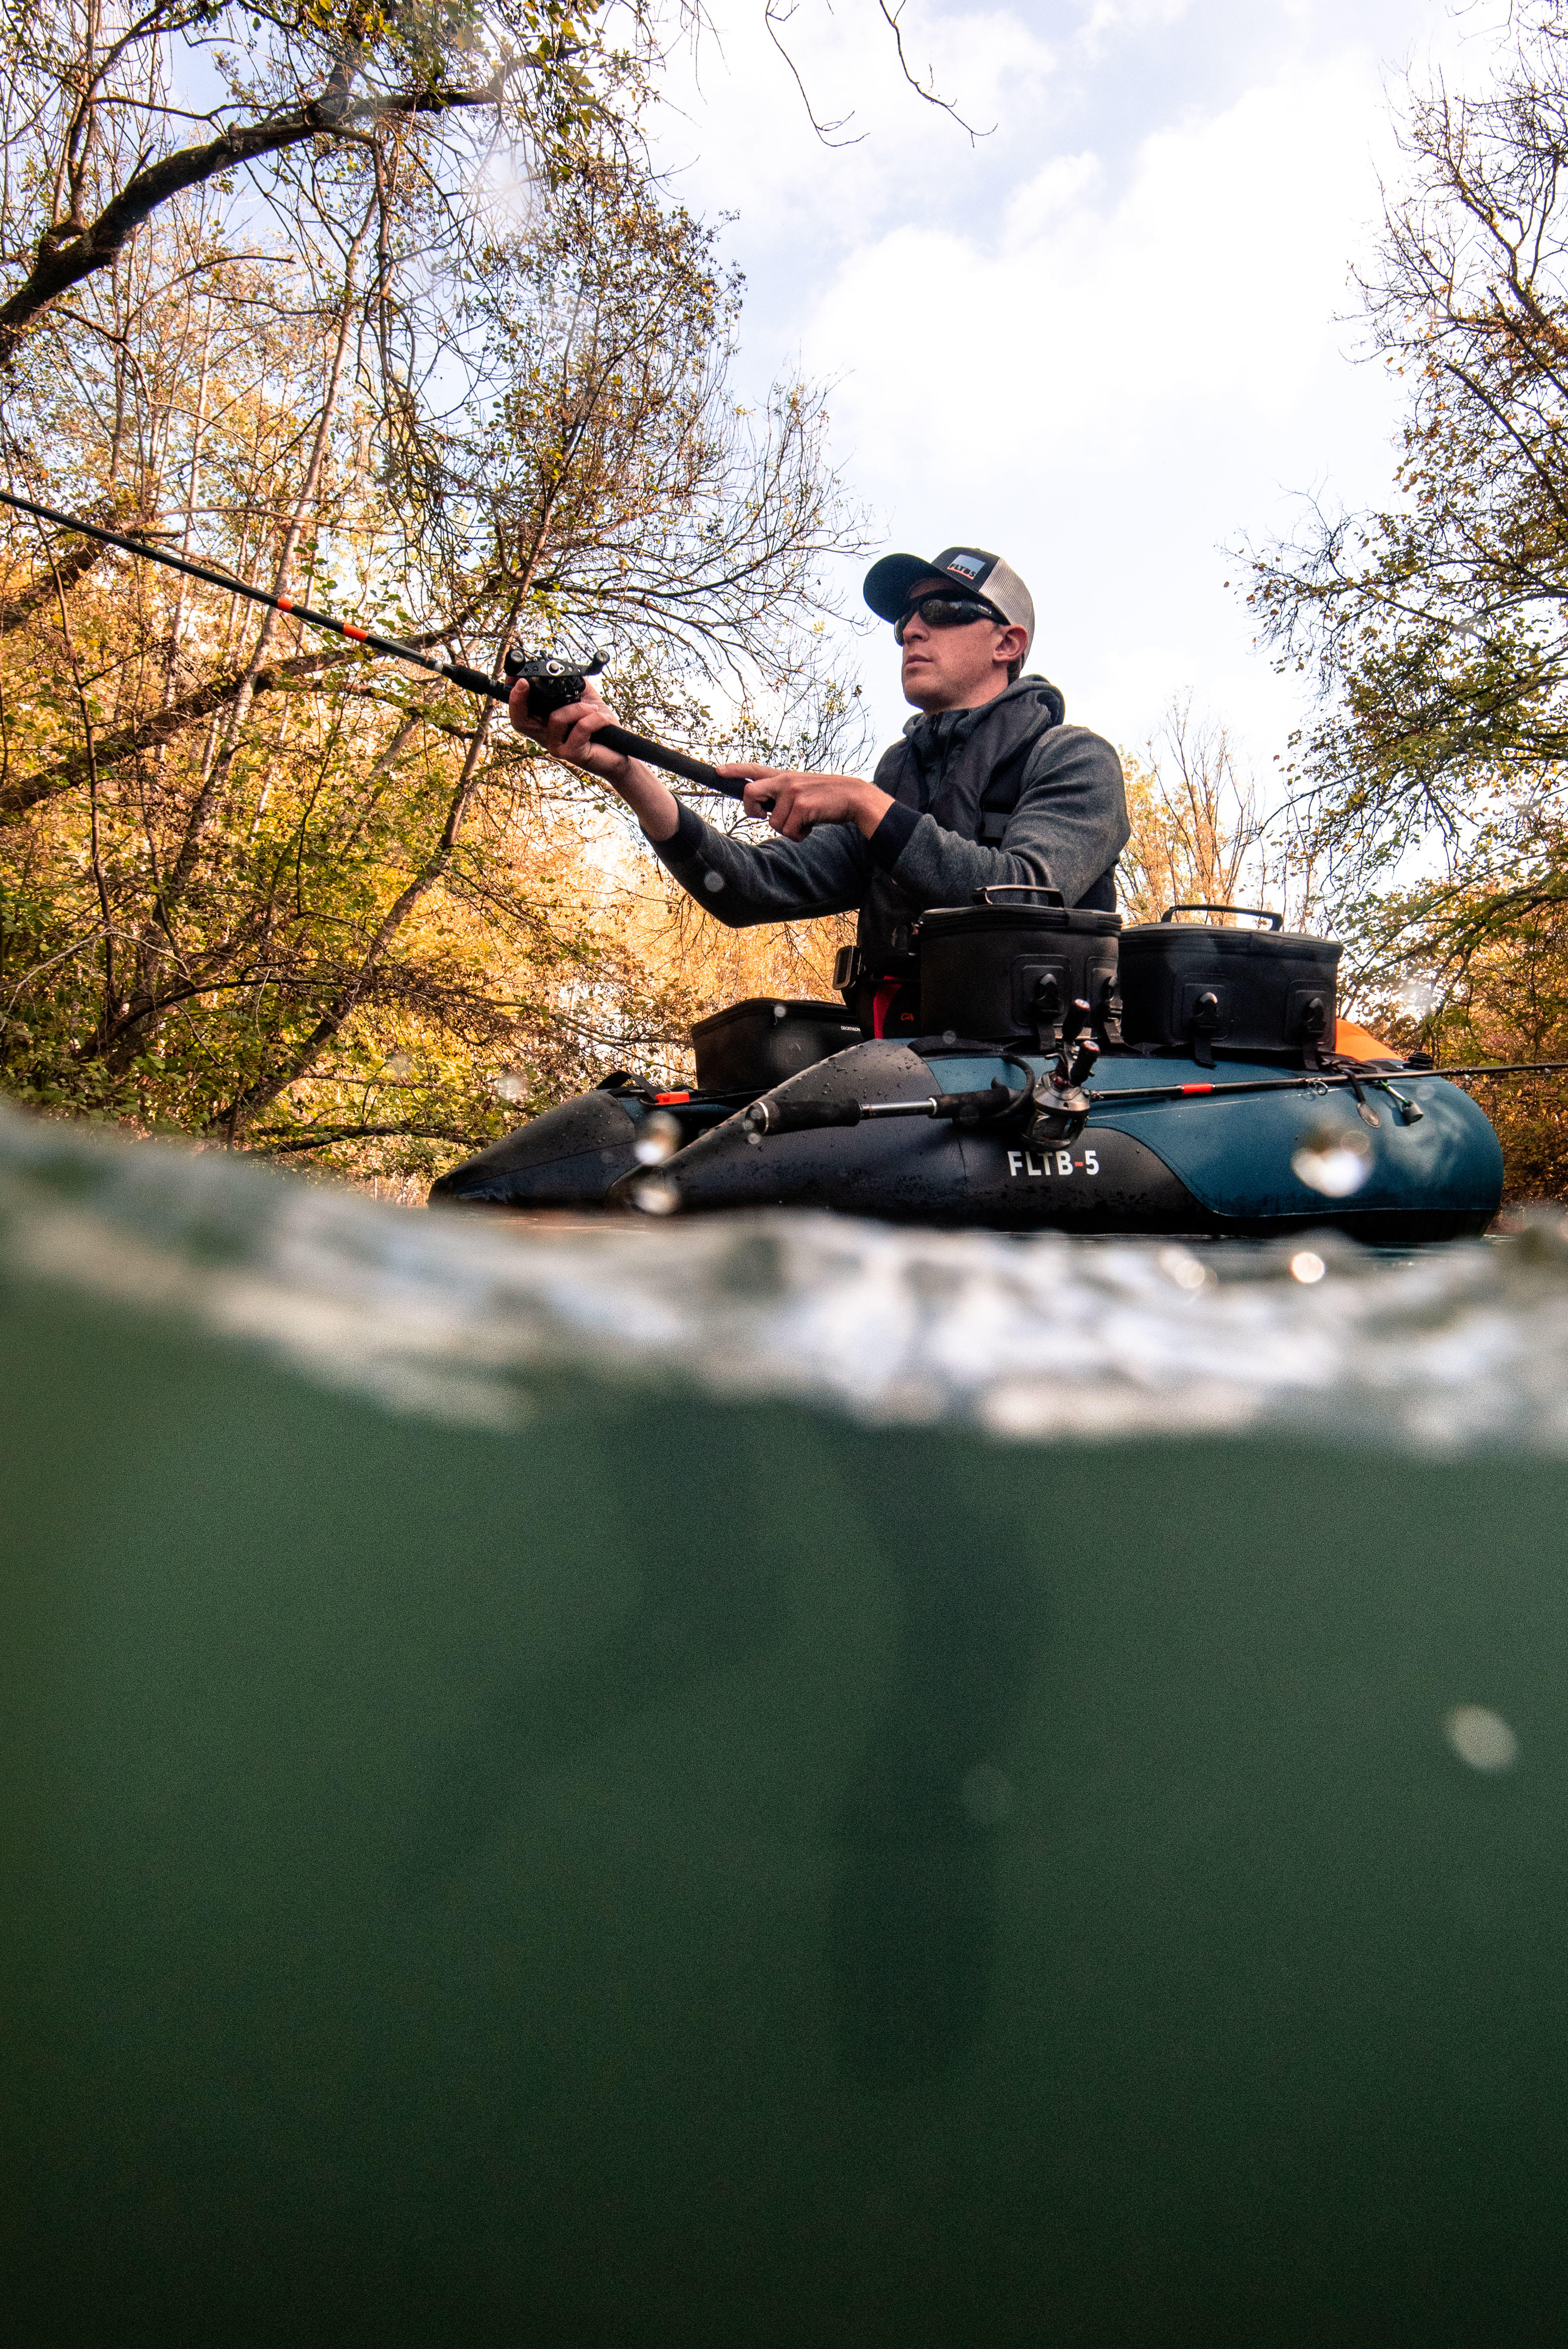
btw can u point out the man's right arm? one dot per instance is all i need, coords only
(742, 882)
(777, 880)
(568, 734)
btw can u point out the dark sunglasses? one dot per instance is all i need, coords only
(947, 612)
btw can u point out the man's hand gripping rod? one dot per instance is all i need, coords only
(552, 684)
(556, 684)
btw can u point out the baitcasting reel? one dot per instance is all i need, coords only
(552, 684)
(1049, 1108)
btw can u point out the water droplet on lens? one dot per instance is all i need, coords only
(1333, 1160)
(510, 1086)
(1178, 1264)
(397, 1065)
(1416, 998)
(657, 1196)
(659, 1139)
(713, 880)
(1306, 1266)
(985, 1794)
(1480, 1737)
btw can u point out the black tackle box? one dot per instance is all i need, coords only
(1198, 986)
(1015, 959)
(752, 1046)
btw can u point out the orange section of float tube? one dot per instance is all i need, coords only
(661, 1098)
(1360, 1044)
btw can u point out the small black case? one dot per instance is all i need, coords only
(752, 1046)
(1197, 989)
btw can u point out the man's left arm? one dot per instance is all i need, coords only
(1068, 826)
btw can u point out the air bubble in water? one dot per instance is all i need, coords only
(1307, 1266)
(659, 1139)
(1333, 1160)
(1480, 1737)
(655, 1196)
(985, 1794)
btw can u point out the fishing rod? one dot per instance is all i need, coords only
(1114, 1096)
(1067, 1105)
(552, 684)
(1318, 1078)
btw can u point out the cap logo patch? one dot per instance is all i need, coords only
(968, 566)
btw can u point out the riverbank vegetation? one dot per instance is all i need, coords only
(454, 364)
(387, 311)
(1431, 790)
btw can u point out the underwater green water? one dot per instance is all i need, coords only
(603, 1844)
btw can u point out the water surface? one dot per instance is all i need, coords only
(775, 1783)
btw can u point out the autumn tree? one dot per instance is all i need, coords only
(255, 886)
(1429, 785)
(102, 132)
(1435, 628)
(1198, 835)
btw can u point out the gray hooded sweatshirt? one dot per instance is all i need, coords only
(1065, 831)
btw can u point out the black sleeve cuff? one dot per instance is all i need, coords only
(893, 835)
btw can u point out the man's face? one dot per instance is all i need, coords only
(955, 669)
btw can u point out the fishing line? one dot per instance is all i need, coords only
(552, 684)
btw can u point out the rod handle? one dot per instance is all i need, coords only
(674, 763)
(614, 737)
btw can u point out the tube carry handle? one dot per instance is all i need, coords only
(1255, 913)
(1016, 889)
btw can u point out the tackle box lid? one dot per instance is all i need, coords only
(773, 1009)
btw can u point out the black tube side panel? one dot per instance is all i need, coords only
(903, 1170)
(567, 1158)
(906, 1170)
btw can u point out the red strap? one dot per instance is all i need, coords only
(882, 1001)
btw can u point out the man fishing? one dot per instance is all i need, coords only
(987, 787)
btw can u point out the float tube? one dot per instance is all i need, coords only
(1071, 1075)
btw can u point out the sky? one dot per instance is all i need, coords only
(1110, 340)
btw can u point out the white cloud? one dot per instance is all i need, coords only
(1118, 378)
(740, 139)
(1065, 184)
(1108, 22)
(1106, 340)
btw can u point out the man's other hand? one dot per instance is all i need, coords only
(793, 802)
(569, 733)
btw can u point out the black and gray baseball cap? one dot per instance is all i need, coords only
(888, 583)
